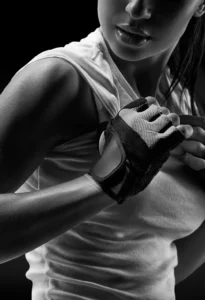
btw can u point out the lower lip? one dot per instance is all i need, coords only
(130, 39)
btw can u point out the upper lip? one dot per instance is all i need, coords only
(134, 30)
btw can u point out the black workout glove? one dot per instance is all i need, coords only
(134, 146)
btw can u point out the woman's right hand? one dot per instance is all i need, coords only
(135, 145)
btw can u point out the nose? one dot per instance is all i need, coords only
(138, 9)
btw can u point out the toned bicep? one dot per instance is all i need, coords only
(31, 110)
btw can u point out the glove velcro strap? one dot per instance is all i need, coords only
(109, 171)
(135, 161)
(123, 163)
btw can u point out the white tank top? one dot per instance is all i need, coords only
(126, 251)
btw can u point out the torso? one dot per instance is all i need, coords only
(115, 240)
(173, 173)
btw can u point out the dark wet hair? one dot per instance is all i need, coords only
(186, 59)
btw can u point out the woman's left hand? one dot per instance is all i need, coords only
(192, 150)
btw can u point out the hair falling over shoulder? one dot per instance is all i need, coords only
(186, 59)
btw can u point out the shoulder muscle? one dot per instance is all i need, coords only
(31, 109)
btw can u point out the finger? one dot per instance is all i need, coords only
(171, 138)
(193, 147)
(198, 135)
(172, 117)
(193, 162)
(139, 104)
(178, 151)
(152, 112)
(164, 122)
(175, 119)
(142, 108)
(186, 130)
(193, 120)
(152, 100)
(163, 110)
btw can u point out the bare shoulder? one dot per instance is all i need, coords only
(39, 80)
(54, 84)
(45, 103)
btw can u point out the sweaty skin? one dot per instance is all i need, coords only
(164, 21)
(48, 102)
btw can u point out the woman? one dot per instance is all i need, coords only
(50, 111)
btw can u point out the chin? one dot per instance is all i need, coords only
(128, 53)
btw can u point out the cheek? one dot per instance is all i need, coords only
(109, 10)
(171, 21)
(168, 37)
(175, 6)
(174, 9)
(105, 7)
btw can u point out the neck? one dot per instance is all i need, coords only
(144, 76)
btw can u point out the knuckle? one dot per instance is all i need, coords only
(200, 148)
(185, 130)
(152, 100)
(182, 130)
(175, 118)
(188, 158)
(198, 131)
(194, 162)
(198, 165)
(165, 110)
(166, 121)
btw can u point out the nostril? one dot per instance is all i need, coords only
(138, 11)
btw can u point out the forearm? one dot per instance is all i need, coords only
(31, 219)
(191, 254)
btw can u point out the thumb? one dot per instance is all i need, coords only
(178, 151)
(152, 100)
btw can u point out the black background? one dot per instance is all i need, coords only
(25, 32)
